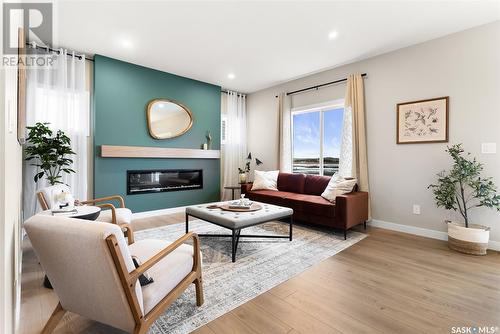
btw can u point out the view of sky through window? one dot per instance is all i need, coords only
(307, 141)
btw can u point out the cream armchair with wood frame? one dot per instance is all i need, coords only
(106, 288)
(110, 214)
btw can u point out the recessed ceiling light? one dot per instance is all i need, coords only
(333, 34)
(126, 43)
(231, 76)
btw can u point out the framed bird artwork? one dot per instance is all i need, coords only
(424, 121)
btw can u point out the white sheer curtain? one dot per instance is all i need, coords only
(58, 95)
(234, 149)
(285, 133)
(345, 160)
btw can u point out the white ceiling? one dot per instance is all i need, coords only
(262, 43)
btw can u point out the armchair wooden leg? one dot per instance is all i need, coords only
(198, 283)
(54, 319)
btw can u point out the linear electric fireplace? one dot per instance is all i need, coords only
(153, 181)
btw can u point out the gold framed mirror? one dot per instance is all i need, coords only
(168, 119)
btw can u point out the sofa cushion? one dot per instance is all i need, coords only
(315, 184)
(310, 203)
(338, 185)
(269, 196)
(265, 180)
(293, 183)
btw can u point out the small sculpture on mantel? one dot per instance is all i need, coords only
(209, 140)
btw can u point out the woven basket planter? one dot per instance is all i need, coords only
(472, 240)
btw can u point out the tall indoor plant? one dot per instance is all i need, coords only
(463, 189)
(49, 152)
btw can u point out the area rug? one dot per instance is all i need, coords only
(261, 264)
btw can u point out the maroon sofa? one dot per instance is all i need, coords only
(302, 193)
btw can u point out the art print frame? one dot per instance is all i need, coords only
(423, 121)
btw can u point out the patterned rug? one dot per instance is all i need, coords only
(261, 264)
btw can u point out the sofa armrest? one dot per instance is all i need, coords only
(246, 187)
(351, 209)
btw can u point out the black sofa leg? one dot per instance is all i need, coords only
(345, 234)
(364, 224)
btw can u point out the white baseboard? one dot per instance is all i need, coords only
(424, 232)
(145, 214)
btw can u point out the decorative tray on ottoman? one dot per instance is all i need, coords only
(236, 208)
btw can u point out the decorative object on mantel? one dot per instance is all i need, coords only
(168, 119)
(50, 153)
(424, 121)
(209, 140)
(112, 151)
(462, 189)
(242, 172)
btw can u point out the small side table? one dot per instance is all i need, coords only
(87, 212)
(233, 188)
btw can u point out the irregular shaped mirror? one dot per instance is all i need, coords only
(168, 119)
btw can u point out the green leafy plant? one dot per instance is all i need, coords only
(462, 188)
(49, 152)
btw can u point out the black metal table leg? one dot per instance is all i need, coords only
(236, 233)
(233, 243)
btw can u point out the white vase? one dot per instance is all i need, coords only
(470, 240)
(243, 178)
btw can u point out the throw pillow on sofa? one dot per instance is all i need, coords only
(266, 180)
(338, 185)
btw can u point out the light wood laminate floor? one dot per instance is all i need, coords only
(390, 282)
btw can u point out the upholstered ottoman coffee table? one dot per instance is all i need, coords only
(236, 221)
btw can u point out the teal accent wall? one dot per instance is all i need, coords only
(121, 94)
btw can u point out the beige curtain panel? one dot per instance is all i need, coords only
(354, 102)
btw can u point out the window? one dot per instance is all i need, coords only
(316, 138)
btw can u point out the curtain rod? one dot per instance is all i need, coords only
(49, 49)
(319, 86)
(227, 92)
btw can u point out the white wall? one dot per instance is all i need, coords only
(10, 199)
(464, 66)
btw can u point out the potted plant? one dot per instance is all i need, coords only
(463, 189)
(49, 152)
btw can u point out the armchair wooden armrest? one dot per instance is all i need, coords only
(104, 199)
(125, 227)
